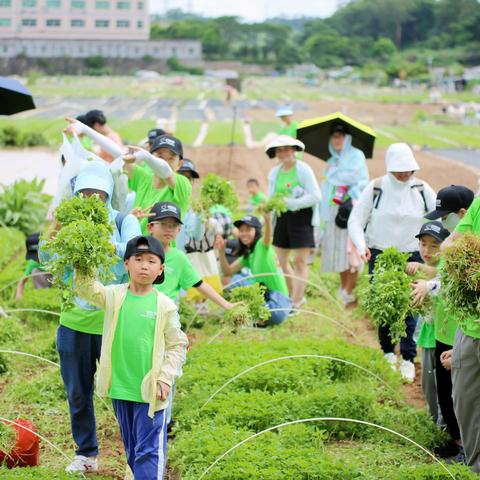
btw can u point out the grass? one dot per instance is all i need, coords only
(220, 133)
(260, 129)
(187, 131)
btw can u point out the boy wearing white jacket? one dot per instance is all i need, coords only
(389, 213)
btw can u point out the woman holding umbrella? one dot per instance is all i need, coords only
(293, 231)
(345, 178)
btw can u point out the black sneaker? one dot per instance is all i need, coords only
(450, 449)
(458, 458)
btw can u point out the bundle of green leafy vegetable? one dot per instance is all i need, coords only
(24, 206)
(215, 190)
(82, 243)
(276, 204)
(252, 308)
(387, 297)
(460, 278)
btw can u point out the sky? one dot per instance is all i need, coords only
(250, 10)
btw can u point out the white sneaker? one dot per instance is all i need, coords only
(83, 464)
(407, 369)
(391, 358)
(346, 298)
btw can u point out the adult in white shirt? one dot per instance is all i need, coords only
(389, 213)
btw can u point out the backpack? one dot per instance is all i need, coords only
(378, 192)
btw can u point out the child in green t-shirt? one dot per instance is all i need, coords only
(257, 254)
(143, 349)
(257, 197)
(431, 235)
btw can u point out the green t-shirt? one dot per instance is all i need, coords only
(287, 181)
(132, 347)
(290, 130)
(31, 265)
(426, 337)
(81, 320)
(257, 199)
(445, 326)
(179, 274)
(262, 260)
(470, 223)
(146, 196)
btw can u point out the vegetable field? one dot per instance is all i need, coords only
(316, 365)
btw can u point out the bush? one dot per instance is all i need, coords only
(24, 206)
(12, 242)
(10, 136)
(43, 299)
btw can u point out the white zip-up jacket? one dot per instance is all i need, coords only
(400, 212)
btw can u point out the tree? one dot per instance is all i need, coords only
(384, 48)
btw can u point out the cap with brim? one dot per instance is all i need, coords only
(188, 167)
(451, 199)
(249, 220)
(163, 210)
(284, 141)
(146, 244)
(435, 230)
(154, 133)
(167, 141)
(284, 111)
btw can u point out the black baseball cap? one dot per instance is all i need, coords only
(451, 199)
(435, 230)
(249, 220)
(146, 244)
(154, 133)
(167, 141)
(188, 166)
(165, 210)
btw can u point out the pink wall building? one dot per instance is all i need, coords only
(74, 19)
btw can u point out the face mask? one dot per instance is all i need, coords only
(451, 221)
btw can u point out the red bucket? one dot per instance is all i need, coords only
(26, 450)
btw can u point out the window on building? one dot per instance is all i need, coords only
(102, 5)
(5, 3)
(140, 24)
(29, 22)
(5, 22)
(123, 5)
(53, 22)
(102, 23)
(77, 3)
(54, 3)
(77, 23)
(29, 3)
(123, 24)
(140, 5)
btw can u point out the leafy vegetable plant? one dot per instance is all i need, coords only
(251, 310)
(83, 243)
(215, 190)
(460, 278)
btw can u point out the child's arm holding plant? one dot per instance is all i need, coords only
(88, 288)
(267, 228)
(228, 269)
(176, 343)
(413, 268)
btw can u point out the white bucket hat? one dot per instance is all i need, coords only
(284, 141)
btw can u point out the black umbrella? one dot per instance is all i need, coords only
(315, 134)
(14, 97)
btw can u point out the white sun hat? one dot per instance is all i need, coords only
(283, 141)
(284, 111)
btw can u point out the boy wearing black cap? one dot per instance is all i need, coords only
(165, 184)
(451, 205)
(143, 349)
(164, 225)
(431, 235)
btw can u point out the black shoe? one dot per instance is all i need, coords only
(259, 325)
(450, 449)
